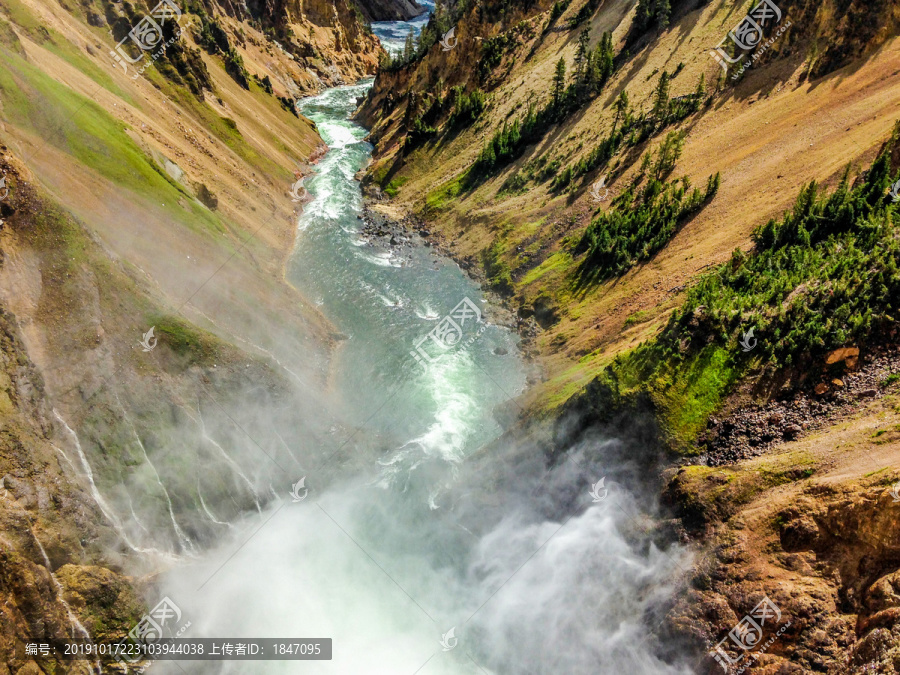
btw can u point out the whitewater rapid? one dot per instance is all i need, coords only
(425, 545)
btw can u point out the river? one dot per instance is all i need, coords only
(423, 545)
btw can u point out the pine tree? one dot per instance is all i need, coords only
(661, 103)
(581, 53)
(591, 73)
(712, 186)
(440, 17)
(409, 49)
(644, 14)
(668, 154)
(663, 12)
(645, 162)
(559, 83)
(607, 57)
(621, 106)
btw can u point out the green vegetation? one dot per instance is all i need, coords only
(178, 63)
(558, 262)
(466, 107)
(496, 269)
(9, 39)
(394, 186)
(652, 13)
(196, 346)
(597, 157)
(684, 393)
(665, 110)
(226, 130)
(81, 128)
(639, 317)
(586, 12)
(592, 70)
(555, 12)
(438, 198)
(265, 84)
(492, 51)
(234, 66)
(419, 133)
(515, 184)
(289, 104)
(635, 129)
(417, 46)
(641, 222)
(824, 276)
(211, 36)
(53, 42)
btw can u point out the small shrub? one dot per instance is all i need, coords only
(234, 66)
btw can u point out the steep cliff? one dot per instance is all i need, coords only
(96, 499)
(150, 190)
(390, 10)
(49, 547)
(554, 149)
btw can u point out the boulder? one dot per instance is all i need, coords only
(849, 356)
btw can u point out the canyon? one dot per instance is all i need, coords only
(227, 264)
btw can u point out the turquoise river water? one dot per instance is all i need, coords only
(420, 546)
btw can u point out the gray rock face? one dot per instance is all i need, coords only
(390, 10)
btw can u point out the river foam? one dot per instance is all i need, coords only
(419, 522)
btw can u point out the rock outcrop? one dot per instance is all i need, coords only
(49, 528)
(828, 562)
(390, 10)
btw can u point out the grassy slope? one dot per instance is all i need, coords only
(759, 118)
(810, 292)
(78, 126)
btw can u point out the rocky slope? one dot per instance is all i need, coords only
(390, 10)
(50, 525)
(844, 116)
(505, 150)
(97, 433)
(159, 190)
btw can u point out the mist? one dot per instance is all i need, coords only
(371, 497)
(375, 567)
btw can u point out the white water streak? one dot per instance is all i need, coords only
(104, 506)
(206, 508)
(186, 542)
(234, 465)
(79, 627)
